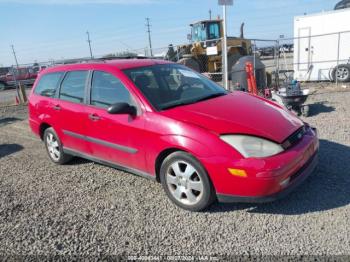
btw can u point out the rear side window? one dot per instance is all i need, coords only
(107, 90)
(73, 86)
(48, 84)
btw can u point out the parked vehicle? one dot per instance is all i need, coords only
(342, 5)
(24, 75)
(204, 53)
(287, 48)
(267, 51)
(3, 72)
(166, 122)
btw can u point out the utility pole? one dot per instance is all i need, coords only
(14, 55)
(19, 88)
(89, 41)
(225, 3)
(224, 53)
(209, 14)
(149, 36)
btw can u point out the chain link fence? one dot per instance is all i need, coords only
(309, 58)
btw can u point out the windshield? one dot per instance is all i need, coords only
(199, 33)
(170, 85)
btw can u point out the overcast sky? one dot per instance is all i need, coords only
(43, 30)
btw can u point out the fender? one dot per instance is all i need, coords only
(198, 149)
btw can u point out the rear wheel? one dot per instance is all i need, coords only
(186, 182)
(191, 63)
(54, 147)
(341, 73)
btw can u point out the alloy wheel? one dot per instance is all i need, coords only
(184, 183)
(53, 147)
(342, 73)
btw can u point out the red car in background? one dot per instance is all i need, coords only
(23, 75)
(166, 122)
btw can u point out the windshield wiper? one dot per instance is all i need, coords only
(178, 104)
(210, 97)
(183, 103)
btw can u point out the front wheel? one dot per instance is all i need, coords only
(186, 182)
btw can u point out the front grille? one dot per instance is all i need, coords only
(294, 138)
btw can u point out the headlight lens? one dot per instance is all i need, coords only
(251, 146)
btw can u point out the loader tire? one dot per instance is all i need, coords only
(231, 61)
(191, 63)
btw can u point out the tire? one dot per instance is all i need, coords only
(305, 111)
(186, 182)
(2, 86)
(191, 63)
(341, 73)
(54, 147)
(231, 61)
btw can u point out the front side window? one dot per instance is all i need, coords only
(47, 84)
(170, 85)
(73, 86)
(107, 90)
(199, 33)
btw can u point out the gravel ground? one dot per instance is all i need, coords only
(88, 209)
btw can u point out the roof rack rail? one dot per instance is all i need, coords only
(103, 59)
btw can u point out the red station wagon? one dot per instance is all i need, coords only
(166, 122)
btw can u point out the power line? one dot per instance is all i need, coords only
(89, 41)
(149, 35)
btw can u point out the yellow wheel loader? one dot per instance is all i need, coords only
(204, 53)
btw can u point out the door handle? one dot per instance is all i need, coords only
(94, 117)
(56, 107)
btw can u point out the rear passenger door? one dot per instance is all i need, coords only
(114, 138)
(71, 112)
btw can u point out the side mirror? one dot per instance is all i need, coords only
(122, 108)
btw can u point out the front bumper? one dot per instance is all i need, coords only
(267, 178)
(298, 178)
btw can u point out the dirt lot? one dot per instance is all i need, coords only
(86, 209)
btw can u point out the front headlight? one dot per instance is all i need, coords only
(251, 146)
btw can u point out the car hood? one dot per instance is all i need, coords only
(239, 113)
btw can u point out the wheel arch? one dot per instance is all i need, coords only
(160, 158)
(43, 126)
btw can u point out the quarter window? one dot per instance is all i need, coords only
(107, 90)
(73, 86)
(48, 84)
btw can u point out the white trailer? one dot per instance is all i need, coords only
(321, 43)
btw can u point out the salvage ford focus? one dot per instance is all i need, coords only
(166, 122)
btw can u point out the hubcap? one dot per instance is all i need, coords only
(342, 73)
(184, 183)
(53, 147)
